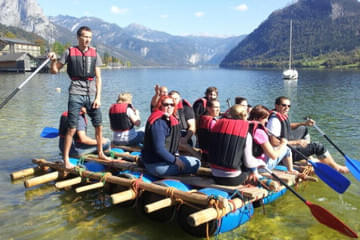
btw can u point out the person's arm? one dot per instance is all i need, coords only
(191, 130)
(55, 65)
(307, 123)
(97, 101)
(158, 133)
(83, 138)
(134, 116)
(156, 97)
(262, 139)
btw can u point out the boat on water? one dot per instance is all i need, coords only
(290, 73)
(200, 207)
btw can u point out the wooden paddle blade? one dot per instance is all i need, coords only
(353, 166)
(331, 177)
(328, 219)
(49, 132)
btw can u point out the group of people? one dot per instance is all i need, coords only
(236, 144)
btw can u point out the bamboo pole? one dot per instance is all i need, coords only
(196, 198)
(48, 177)
(158, 205)
(24, 173)
(124, 196)
(89, 187)
(68, 183)
(209, 214)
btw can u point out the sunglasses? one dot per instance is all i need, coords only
(285, 105)
(168, 104)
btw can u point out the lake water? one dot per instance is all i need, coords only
(329, 97)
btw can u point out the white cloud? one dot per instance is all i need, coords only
(117, 10)
(241, 8)
(164, 16)
(199, 14)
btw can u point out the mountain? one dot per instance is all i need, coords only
(320, 27)
(154, 46)
(134, 43)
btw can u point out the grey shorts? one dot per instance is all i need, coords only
(74, 105)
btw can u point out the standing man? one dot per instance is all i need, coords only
(297, 136)
(85, 89)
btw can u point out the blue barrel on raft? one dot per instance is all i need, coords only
(164, 214)
(227, 223)
(90, 166)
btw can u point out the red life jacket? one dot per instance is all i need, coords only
(81, 65)
(172, 141)
(119, 120)
(181, 113)
(63, 127)
(256, 149)
(199, 106)
(203, 132)
(227, 143)
(284, 122)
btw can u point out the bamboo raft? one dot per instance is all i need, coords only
(202, 208)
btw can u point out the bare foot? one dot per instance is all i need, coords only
(294, 172)
(342, 169)
(103, 156)
(69, 165)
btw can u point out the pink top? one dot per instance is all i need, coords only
(260, 138)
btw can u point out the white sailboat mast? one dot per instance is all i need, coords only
(290, 56)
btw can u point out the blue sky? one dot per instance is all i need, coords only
(177, 17)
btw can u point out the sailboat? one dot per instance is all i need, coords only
(290, 73)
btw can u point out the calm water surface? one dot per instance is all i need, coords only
(331, 98)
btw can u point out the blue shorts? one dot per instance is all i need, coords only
(74, 105)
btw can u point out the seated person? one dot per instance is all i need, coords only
(159, 92)
(206, 123)
(161, 142)
(227, 147)
(199, 105)
(123, 119)
(295, 133)
(81, 144)
(243, 102)
(262, 148)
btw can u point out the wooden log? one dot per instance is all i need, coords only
(121, 164)
(24, 173)
(124, 196)
(89, 187)
(209, 214)
(68, 183)
(48, 177)
(200, 199)
(158, 205)
(128, 148)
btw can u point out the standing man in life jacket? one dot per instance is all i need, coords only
(83, 63)
(297, 136)
(199, 105)
(81, 143)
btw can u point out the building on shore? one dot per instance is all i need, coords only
(17, 55)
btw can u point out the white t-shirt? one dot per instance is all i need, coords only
(274, 126)
(128, 135)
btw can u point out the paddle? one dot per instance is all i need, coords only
(352, 164)
(320, 213)
(327, 174)
(7, 99)
(49, 132)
